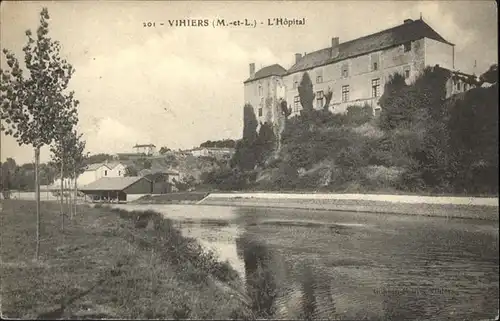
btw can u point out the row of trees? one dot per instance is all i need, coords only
(225, 143)
(38, 109)
(22, 177)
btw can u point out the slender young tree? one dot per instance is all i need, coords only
(77, 165)
(59, 156)
(67, 154)
(36, 106)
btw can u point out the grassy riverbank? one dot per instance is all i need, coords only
(110, 264)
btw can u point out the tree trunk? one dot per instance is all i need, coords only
(68, 196)
(76, 191)
(62, 194)
(37, 198)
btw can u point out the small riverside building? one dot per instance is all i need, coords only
(163, 180)
(117, 188)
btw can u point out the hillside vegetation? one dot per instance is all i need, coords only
(191, 168)
(421, 143)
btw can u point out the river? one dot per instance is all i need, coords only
(344, 265)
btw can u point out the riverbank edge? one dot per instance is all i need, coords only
(143, 230)
(448, 207)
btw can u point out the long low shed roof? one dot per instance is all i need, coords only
(112, 183)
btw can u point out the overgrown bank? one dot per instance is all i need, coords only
(422, 143)
(111, 264)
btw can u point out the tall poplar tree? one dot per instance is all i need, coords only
(35, 103)
(306, 93)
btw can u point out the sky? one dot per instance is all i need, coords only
(180, 86)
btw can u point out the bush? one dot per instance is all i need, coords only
(229, 179)
(285, 177)
(358, 115)
(315, 178)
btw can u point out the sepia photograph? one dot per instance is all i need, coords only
(249, 160)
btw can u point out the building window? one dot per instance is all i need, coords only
(260, 112)
(345, 70)
(376, 87)
(105, 173)
(319, 99)
(119, 173)
(375, 61)
(296, 103)
(458, 85)
(407, 46)
(319, 76)
(407, 72)
(345, 93)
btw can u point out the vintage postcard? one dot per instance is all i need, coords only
(295, 160)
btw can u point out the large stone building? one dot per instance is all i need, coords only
(354, 71)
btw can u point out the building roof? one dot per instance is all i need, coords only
(272, 70)
(112, 165)
(111, 183)
(410, 31)
(95, 166)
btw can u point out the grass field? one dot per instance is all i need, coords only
(110, 264)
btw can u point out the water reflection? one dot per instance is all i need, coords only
(259, 275)
(373, 267)
(332, 265)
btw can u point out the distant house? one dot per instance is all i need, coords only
(197, 152)
(217, 152)
(146, 149)
(117, 169)
(117, 188)
(92, 173)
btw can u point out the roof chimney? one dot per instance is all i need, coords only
(252, 70)
(335, 47)
(298, 56)
(407, 21)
